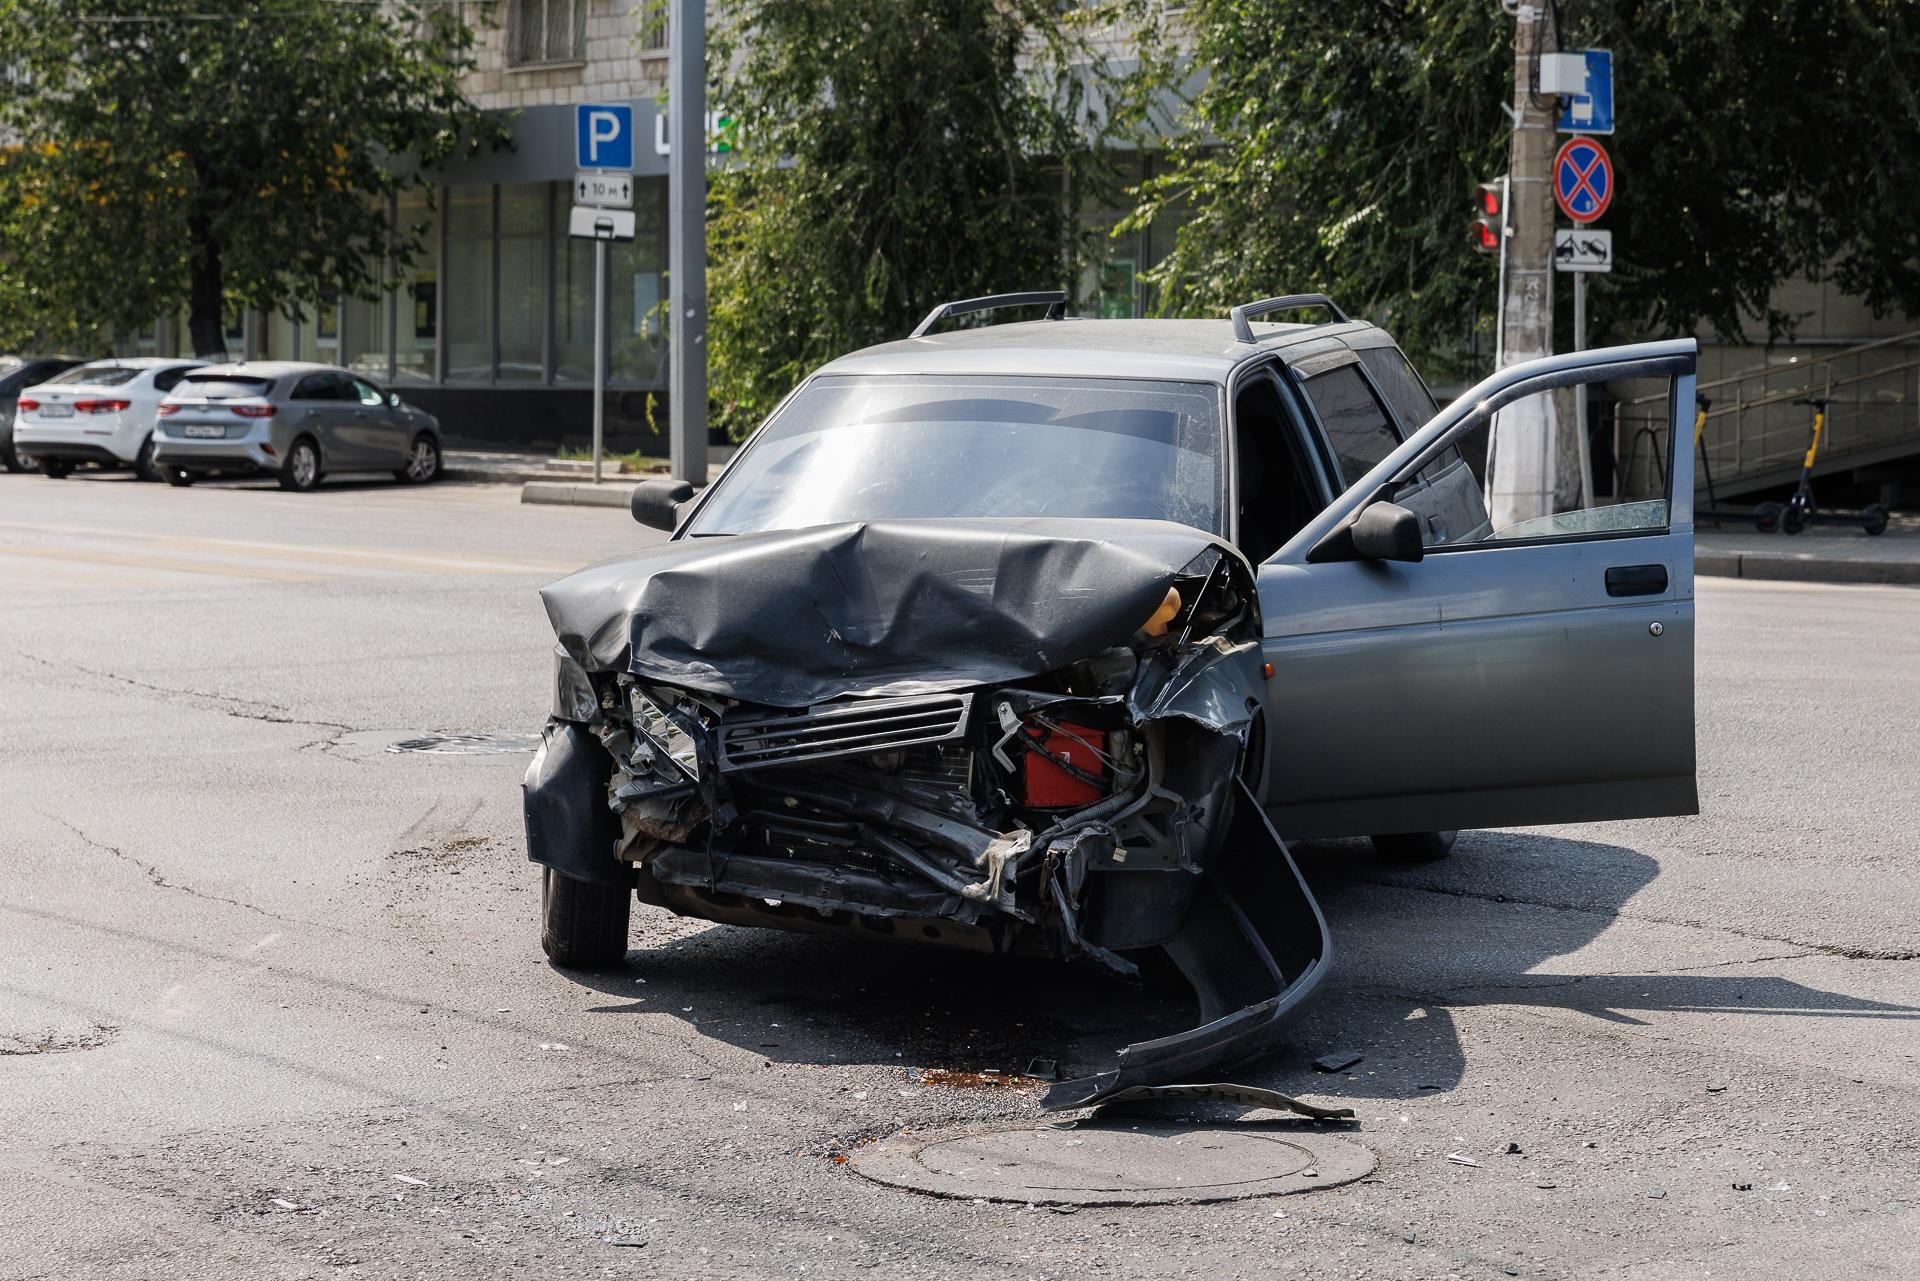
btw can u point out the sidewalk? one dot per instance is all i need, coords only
(1823, 554)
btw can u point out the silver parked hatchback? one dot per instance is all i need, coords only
(293, 420)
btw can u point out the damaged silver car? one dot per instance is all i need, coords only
(1034, 638)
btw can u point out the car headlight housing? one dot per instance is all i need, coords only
(573, 696)
(658, 734)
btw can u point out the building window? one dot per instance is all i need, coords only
(650, 19)
(523, 282)
(417, 332)
(469, 287)
(548, 31)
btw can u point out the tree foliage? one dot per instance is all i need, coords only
(214, 154)
(893, 154)
(1338, 146)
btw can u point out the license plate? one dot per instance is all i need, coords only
(203, 431)
(56, 411)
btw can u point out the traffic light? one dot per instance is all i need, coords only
(1488, 217)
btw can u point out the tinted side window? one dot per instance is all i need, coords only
(314, 387)
(1356, 425)
(1402, 389)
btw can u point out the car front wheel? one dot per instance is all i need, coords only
(302, 470)
(55, 471)
(583, 926)
(423, 462)
(1415, 847)
(143, 465)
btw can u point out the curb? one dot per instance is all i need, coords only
(1768, 567)
(568, 494)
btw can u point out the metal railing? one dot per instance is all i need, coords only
(1755, 435)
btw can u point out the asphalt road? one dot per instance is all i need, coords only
(272, 1002)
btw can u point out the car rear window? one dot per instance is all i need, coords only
(224, 386)
(97, 375)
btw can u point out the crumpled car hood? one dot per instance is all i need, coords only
(797, 617)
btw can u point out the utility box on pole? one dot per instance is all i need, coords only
(687, 240)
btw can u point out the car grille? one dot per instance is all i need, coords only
(857, 727)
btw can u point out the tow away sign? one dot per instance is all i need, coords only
(1582, 249)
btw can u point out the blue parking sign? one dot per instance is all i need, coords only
(603, 135)
(1592, 110)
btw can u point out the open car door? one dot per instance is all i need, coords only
(1533, 671)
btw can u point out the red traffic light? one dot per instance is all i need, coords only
(1489, 224)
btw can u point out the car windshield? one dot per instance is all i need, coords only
(98, 375)
(917, 447)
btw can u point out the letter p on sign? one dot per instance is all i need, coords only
(603, 135)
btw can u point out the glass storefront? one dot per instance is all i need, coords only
(500, 295)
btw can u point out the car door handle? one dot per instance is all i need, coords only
(1636, 580)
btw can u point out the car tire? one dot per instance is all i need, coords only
(55, 471)
(178, 477)
(143, 464)
(10, 460)
(301, 472)
(583, 926)
(423, 462)
(1415, 847)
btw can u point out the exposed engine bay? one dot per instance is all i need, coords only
(1088, 811)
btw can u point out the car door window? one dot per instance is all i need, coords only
(1278, 486)
(367, 394)
(1529, 496)
(1357, 428)
(314, 387)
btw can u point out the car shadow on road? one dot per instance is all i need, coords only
(1412, 944)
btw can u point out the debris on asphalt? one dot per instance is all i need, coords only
(553, 1045)
(1743, 1187)
(1715, 1087)
(1461, 1158)
(285, 1204)
(1337, 1061)
(408, 1178)
(1513, 1149)
(1657, 1195)
(1546, 1185)
(1044, 1069)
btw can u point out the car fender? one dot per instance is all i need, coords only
(570, 827)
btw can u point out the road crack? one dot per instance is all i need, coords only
(226, 704)
(1807, 946)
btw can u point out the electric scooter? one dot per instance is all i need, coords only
(1800, 510)
(1713, 511)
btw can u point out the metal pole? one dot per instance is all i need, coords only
(1580, 393)
(599, 352)
(687, 241)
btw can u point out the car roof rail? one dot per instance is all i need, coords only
(1245, 314)
(1055, 301)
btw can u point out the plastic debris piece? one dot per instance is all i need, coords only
(1513, 1149)
(1657, 1195)
(1461, 1158)
(1337, 1061)
(1044, 1069)
(1743, 1187)
(408, 1178)
(285, 1204)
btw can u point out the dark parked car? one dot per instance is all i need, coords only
(1036, 637)
(17, 373)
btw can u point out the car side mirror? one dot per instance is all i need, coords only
(1378, 530)
(393, 399)
(1387, 531)
(657, 502)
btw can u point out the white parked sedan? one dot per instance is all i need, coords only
(100, 412)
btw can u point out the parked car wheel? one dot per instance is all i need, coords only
(9, 459)
(583, 926)
(1415, 847)
(55, 471)
(179, 477)
(302, 471)
(423, 462)
(143, 465)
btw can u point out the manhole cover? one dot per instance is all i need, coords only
(469, 744)
(1113, 1163)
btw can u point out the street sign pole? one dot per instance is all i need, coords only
(599, 353)
(1580, 393)
(687, 241)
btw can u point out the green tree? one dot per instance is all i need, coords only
(217, 154)
(1337, 147)
(892, 154)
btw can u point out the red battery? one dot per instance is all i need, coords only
(1047, 786)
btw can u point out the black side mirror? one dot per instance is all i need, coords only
(657, 502)
(1387, 531)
